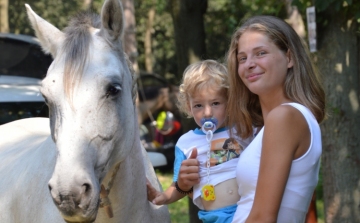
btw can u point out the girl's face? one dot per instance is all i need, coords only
(262, 65)
(208, 103)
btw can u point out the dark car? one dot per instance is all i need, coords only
(20, 98)
(22, 66)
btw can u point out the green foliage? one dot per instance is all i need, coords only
(320, 211)
(220, 21)
(224, 16)
(56, 12)
(323, 5)
(265, 7)
(349, 9)
(163, 42)
(96, 6)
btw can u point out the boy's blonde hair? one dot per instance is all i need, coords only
(198, 76)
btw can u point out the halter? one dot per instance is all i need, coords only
(104, 192)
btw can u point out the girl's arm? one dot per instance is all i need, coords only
(286, 137)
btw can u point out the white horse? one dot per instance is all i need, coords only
(93, 138)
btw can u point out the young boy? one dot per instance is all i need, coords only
(203, 96)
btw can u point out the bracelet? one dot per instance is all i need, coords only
(181, 191)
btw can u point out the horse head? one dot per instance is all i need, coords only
(89, 89)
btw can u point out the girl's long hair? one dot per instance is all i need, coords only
(302, 83)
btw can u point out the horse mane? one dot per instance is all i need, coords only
(76, 47)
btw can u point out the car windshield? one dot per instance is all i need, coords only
(21, 55)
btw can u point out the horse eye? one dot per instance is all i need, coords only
(113, 90)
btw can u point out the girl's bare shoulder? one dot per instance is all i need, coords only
(285, 114)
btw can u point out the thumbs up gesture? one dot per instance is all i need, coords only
(193, 154)
(189, 172)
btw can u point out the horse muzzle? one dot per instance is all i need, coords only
(76, 203)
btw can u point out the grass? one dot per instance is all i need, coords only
(179, 211)
(320, 211)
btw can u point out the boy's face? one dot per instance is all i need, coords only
(208, 103)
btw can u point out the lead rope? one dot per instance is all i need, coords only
(104, 192)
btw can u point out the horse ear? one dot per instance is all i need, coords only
(112, 19)
(49, 36)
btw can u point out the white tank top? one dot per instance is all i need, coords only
(302, 180)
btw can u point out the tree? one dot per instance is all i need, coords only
(148, 41)
(129, 42)
(338, 60)
(295, 19)
(155, 38)
(188, 20)
(4, 17)
(87, 4)
(56, 11)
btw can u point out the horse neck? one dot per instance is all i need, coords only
(129, 185)
(131, 177)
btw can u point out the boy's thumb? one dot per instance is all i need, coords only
(193, 154)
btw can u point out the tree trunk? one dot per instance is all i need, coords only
(188, 18)
(129, 40)
(295, 19)
(338, 60)
(4, 16)
(87, 4)
(147, 42)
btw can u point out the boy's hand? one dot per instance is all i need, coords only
(154, 196)
(189, 172)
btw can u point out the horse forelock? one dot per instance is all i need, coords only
(76, 48)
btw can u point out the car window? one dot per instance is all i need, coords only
(21, 55)
(11, 111)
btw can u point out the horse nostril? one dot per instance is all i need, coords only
(54, 194)
(86, 188)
